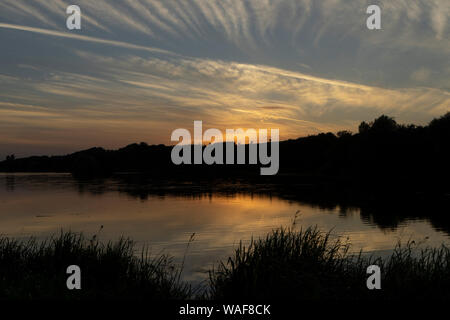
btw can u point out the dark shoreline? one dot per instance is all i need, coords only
(383, 156)
(304, 265)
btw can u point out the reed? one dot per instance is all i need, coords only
(31, 269)
(313, 265)
(287, 264)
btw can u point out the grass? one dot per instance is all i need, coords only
(309, 265)
(37, 270)
(296, 265)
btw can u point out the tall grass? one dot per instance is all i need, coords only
(37, 270)
(286, 264)
(310, 265)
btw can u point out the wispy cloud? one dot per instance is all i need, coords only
(140, 68)
(175, 91)
(83, 38)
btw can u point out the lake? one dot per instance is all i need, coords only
(41, 205)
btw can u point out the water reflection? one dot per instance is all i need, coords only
(164, 215)
(10, 182)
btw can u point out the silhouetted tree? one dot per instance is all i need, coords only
(344, 134)
(384, 124)
(383, 155)
(364, 127)
(441, 125)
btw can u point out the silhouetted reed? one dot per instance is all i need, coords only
(313, 265)
(308, 264)
(37, 270)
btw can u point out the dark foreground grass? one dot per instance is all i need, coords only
(309, 265)
(37, 270)
(286, 264)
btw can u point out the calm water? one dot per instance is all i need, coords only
(41, 204)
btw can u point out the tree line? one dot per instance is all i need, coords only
(382, 154)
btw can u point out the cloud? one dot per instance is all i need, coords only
(177, 91)
(140, 68)
(83, 38)
(439, 16)
(421, 75)
(245, 23)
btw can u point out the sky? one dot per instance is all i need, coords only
(139, 69)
